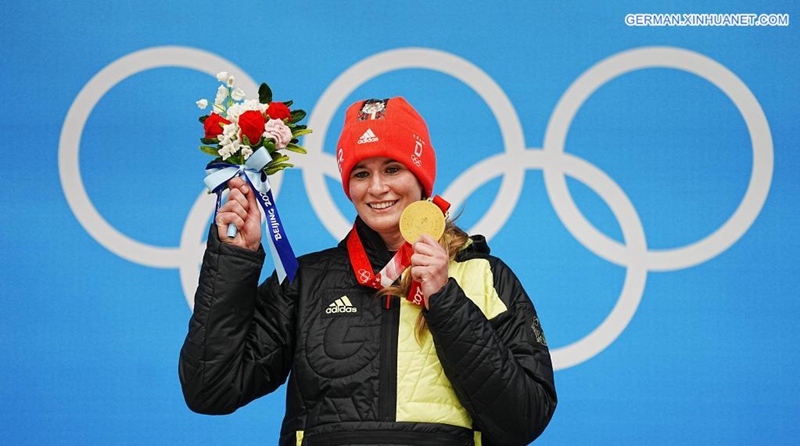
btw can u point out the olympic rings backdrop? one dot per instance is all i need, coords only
(642, 182)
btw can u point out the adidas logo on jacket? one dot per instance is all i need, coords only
(341, 305)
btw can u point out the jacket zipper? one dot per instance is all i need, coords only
(387, 398)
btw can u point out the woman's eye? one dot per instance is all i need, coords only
(392, 169)
(360, 174)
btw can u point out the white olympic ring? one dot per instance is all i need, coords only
(511, 164)
(708, 69)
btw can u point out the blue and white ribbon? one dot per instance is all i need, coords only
(218, 174)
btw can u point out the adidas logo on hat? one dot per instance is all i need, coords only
(368, 136)
(341, 305)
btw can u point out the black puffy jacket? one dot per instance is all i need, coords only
(482, 374)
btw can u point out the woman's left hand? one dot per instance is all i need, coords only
(429, 266)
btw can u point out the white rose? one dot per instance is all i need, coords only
(202, 103)
(237, 94)
(229, 149)
(276, 130)
(230, 131)
(234, 111)
(224, 153)
(222, 76)
(222, 94)
(251, 104)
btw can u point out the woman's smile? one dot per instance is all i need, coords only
(382, 205)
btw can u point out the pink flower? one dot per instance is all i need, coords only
(276, 130)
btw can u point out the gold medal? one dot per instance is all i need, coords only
(421, 217)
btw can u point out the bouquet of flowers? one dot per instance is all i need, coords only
(237, 127)
(246, 137)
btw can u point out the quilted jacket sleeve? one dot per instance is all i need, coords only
(239, 345)
(500, 369)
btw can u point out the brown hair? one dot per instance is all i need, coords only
(453, 240)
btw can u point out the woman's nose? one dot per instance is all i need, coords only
(377, 184)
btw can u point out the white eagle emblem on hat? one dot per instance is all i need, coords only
(372, 109)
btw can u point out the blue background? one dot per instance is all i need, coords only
(90, 340)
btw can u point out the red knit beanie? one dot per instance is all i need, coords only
(390, 128)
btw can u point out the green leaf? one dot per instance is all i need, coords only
(270, 146)
(288, 103)
(295, 148)
(209, 140)
(264, 94)
(278, 160)
(301, 132)
(297, 115)
(202, 119)
(277, 168)
(300, 126)
(209, 150)
(245, 140)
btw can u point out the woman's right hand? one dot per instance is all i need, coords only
(242, 211)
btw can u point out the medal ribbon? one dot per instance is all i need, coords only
(363, 268)
(393, 269)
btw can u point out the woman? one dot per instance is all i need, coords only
(469, 366)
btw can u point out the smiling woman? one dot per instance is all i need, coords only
(442, 346)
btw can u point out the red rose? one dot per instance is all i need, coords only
(252, 124)
(278, 110)
(213, 125)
